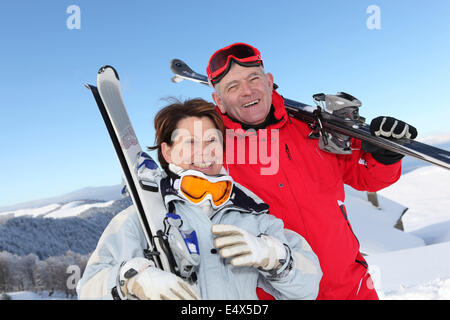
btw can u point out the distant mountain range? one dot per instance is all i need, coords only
(104, 193)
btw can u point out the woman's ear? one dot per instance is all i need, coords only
(166, 150)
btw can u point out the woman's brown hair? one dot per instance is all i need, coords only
(166, 121)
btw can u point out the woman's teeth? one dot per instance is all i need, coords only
(250, 103)
(203, 164)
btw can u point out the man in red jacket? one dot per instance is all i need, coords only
(271, 154)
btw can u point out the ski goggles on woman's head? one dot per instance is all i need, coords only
(220, 62)
(197, 187)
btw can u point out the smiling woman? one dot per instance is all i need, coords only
(196, 144)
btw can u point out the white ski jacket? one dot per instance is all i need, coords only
(123, 239)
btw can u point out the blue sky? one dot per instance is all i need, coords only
(54, 141)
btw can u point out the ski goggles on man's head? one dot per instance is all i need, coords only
(197, 187)
(220, 62)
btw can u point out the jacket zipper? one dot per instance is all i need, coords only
(363, 263)
(344, 213)
(287, 151)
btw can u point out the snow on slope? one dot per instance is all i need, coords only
(55, 210)
(418, 273)
(422, 272)
(374, 227)
(75, 208)
(34, 212)
(426, 192)
(104, 193)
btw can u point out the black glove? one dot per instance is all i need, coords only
(389, 128)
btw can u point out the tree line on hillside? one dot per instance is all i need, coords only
(48, 237)
(29, 273)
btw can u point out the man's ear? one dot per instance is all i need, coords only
(269, 78)
(166, 150)
(218, 102)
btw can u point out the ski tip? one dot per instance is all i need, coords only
(176, 61)
(90, 86)
(105, 67)
(177, 64)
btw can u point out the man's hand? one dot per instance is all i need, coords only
(389, 128)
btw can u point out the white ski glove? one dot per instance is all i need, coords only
(246, 249)
(139, 278)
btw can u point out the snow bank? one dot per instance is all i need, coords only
(374, 227)
(403, 273)
(437, 289)
(422, 272)
(426, 192)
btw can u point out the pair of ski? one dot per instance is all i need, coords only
(156, 222)
(148, 201)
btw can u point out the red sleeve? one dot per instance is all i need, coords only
(362, 172)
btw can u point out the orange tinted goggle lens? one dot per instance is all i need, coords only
(196, 189)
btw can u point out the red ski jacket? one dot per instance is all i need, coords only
(304, 186)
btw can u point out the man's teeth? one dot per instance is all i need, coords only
(203, 164)
(250, 103)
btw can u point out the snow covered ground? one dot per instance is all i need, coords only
(421, 272)
(374, 227)
(418, 273)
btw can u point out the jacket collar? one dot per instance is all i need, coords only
(279, 113)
